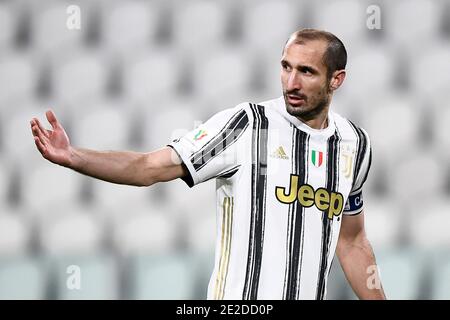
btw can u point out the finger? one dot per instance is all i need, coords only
(38, 133)
(52, 119)
(44, 131)
(39, 145)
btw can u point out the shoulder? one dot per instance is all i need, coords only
(348, 129)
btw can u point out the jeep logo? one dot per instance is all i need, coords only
(330, 202)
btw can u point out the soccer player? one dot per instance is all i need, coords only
(289, 175)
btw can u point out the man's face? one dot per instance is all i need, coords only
(304, 79)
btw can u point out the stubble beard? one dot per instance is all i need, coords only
(314, 105)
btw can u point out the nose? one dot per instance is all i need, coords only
(294, 81)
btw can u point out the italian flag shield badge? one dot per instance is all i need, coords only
(316, 158)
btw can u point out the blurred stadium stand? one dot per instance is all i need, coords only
(141, 73)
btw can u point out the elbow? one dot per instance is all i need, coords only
(144, 174)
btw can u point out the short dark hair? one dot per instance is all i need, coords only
(335, 56)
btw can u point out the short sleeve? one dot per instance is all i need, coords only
(363, 162)
(210, 150)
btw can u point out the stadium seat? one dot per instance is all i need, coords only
(199, 26)
(109, 196)
(268, 24)
(346, 19)
(383, 221)
(429, 73)
(75, 231)
(421, 18)
(5, 182)
(50, 34)
(130, 26)
(374, 60)
(80, 78)
(391, 139)
(401, 271)
(163, 277)
(226, 73)
(202, 231)
(47, 188)
(152, 75)
(145, 230)
(105, 127)
(23, 278)
(98, 277)
(429, 223)
(441, 130)
(170, 120)
(15, 233)
(8, 17)
(18, 79)
(418, 175)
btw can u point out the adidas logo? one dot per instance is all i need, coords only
(279, 154)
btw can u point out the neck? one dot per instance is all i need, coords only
(319, 121)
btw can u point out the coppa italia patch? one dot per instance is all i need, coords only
(200, 135)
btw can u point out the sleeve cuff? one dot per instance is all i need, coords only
(189, 178)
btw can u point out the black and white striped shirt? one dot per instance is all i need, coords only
(281, 190)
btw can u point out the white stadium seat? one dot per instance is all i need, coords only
(370, 72)
(441, 129)
(18, 143)
(417, 175)
(421, 19)
(47, 188)
(429, 222)
(430, 73)
(346, 19)
(70, 233)
(18, 79)
(168, 121)
(144, 231)
(199, 26)
(80, 78)
(152, 75)
(268, 24)
(15, 233)
(391, 138)
(109, 196)
(8, 17)
(105, 127)
(51, 35)
(383, 222)
(130, 25)
(225, 73)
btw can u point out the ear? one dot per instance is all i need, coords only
(337, 79)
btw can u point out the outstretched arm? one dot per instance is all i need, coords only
(357, 259)
(121, 167)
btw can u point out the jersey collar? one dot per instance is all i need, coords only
(326, 132)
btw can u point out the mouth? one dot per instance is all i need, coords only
(295, 100)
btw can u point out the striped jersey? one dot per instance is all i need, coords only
(282, 188)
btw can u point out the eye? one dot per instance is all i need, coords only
(306, 71)
(285, 66)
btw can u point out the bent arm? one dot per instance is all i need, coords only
(357, 259)
(127, 167)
